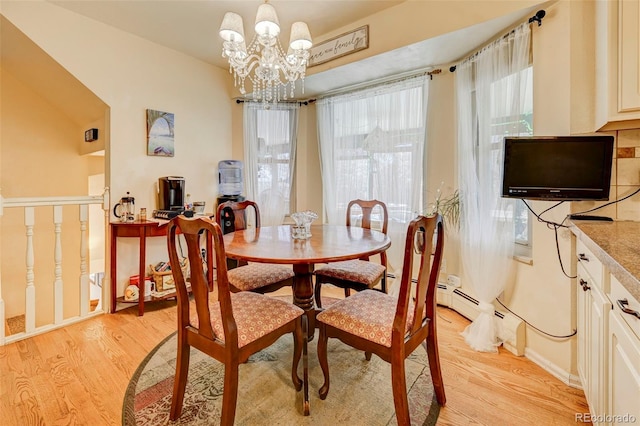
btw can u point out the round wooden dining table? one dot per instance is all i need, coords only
(328, 243)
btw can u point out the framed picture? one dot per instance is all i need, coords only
(160, 133)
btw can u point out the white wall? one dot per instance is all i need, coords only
(130, 75)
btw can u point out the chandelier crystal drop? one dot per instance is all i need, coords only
(272, 71)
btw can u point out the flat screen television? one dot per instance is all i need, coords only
(557, 168)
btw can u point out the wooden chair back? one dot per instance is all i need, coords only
(367, 207)
(199, 232)
(421, 297)
(232, 215)
(220, 340)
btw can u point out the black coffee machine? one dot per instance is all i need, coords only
(170, 197)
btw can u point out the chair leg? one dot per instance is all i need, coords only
(305, 365)
(399, 388)
(180, 380)
(316, 292)
(347, 292)
(322, 359)
(297, 353)
(434, 366)
(367, 356)
(230, 393)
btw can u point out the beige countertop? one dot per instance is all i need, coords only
(617, 245)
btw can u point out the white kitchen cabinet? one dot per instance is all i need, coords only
(623, 405)
(608, 350)
(617, 54)
(592, 322)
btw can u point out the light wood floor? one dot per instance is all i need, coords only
(78, 375)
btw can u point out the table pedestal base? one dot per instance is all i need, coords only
(303, 293)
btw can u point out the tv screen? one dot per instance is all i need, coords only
(557, 168)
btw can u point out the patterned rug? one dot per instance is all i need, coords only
(360, 392)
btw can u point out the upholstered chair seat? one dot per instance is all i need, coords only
(255, 276)
(255, 316)
(369, 314)
(362, 271)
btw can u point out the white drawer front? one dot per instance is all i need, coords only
(619, 295)
(590, 263)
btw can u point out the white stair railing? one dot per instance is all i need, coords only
(28, 205)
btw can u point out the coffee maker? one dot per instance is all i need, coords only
(171, 193)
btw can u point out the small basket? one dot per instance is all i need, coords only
(164, 279)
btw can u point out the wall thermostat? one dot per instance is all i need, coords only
(91, 135)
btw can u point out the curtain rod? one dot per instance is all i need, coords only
(307, 102)
(384, 80)
(535, 18)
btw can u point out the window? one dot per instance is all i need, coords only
(503, 125)
(270, 145)
(372, 147)
(274, 155)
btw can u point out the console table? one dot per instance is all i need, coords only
(140, 230)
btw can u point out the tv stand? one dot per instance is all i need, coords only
(590, 217)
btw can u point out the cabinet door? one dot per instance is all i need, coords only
(597, 346)
(617, 50)
(582, 323)
(628, 55)
(624, 371)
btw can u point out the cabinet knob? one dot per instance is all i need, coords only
(585, 285)
(623, 303)
(583, 256)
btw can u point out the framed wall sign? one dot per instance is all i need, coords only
(341, 45)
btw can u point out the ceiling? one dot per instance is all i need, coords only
(191, 27)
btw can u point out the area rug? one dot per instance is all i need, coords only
(360, 392)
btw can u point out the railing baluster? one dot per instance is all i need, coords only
(84, 276)
(30, 291)
(28, 204)
(2, 312)
(57, 257)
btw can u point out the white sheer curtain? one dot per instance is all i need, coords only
(488, 85)
(270, 134)
(372, 147)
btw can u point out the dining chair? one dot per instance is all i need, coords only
(358, 274)
(390, 327)
(243, 276)
(228, 329)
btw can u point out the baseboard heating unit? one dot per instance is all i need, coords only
(512, 330)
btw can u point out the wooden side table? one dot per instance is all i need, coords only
(140, 230)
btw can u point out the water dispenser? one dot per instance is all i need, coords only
(230, 177)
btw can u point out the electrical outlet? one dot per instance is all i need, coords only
(453, 280)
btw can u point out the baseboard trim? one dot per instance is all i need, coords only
(564, 376)
(513, 331)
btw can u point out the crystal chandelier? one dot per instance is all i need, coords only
(272, 72)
